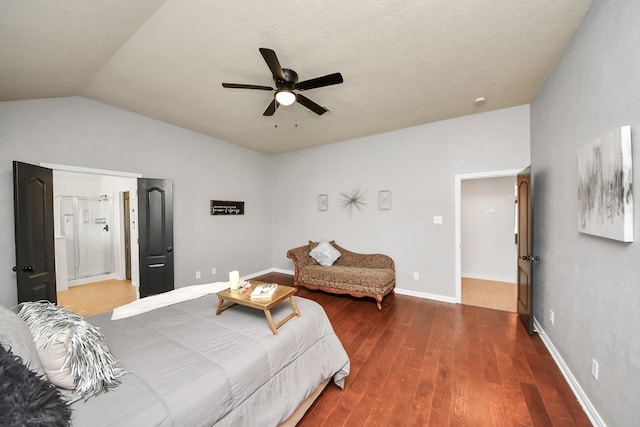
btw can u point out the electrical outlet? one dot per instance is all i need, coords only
(213, 270)
(197, 274)
(594, 368)
(551, 316)
(416, 276)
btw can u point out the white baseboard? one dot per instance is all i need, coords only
(425, 295)
(92, 279)
(267, 271)
(283, 271)
(582, 397)
(490, 278)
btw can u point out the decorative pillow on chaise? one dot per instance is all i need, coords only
(73, 352)
(325, 254)
(27, 398)
(16, 336)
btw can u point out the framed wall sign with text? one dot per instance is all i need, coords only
(225, 207)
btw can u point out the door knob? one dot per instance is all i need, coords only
(169, 249)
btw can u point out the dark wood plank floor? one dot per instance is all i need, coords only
(425, 363)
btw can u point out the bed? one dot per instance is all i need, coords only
(187, 366)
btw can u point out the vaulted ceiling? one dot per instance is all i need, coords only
(404, 63)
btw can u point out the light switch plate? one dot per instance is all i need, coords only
(437, 219)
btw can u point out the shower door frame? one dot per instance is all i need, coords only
(77, 218)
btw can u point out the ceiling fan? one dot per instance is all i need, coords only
(286, 81)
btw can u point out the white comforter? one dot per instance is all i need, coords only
(175, 296)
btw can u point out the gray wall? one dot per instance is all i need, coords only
(592, 284)
(418, 165)
(489, 251)
(79, 132)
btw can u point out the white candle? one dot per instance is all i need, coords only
(234, 279)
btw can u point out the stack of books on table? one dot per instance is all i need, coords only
(264, 291)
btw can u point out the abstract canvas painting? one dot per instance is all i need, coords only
(604, 187)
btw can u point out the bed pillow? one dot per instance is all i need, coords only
(26, 398)
(73, 352)
(325, 254)
(16, 336)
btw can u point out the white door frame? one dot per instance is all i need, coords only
(458, 217)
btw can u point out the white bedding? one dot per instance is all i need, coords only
(175, 296)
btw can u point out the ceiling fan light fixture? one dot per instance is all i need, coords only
(285, 97)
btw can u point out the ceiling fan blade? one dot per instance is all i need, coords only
(243, 86)
(272, 61)
(328, 80)
(318, 109)
(271, 109)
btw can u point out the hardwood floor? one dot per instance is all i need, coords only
(418, 362)
(98, 297)
(426, 363)
(490, 294)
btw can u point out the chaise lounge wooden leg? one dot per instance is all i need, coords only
(379, 301)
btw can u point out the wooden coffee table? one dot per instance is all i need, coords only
(282, 292)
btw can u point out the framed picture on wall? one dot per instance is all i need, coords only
(605, 199)
(323, 202)
(384, 200)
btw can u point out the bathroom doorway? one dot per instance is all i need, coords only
(94, 224)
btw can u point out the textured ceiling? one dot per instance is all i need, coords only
(404, 63)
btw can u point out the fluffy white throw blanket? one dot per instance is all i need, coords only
(168, 298)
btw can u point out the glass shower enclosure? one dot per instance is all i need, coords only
(85, 223)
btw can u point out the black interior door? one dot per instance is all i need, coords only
(33, 217)
(155, 235)
(525, 250)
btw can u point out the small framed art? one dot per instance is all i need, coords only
(323, 202)
(384, 200)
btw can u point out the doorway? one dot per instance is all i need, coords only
(486, 251)
(89, 226)
(95, 236)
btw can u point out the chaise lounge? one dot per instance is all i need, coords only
(359, 275)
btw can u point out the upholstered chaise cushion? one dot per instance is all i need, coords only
(369, 281)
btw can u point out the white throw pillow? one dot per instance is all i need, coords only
(325, 254)
(55, 361)
(73, 352)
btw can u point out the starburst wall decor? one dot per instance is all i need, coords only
(355, 199)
